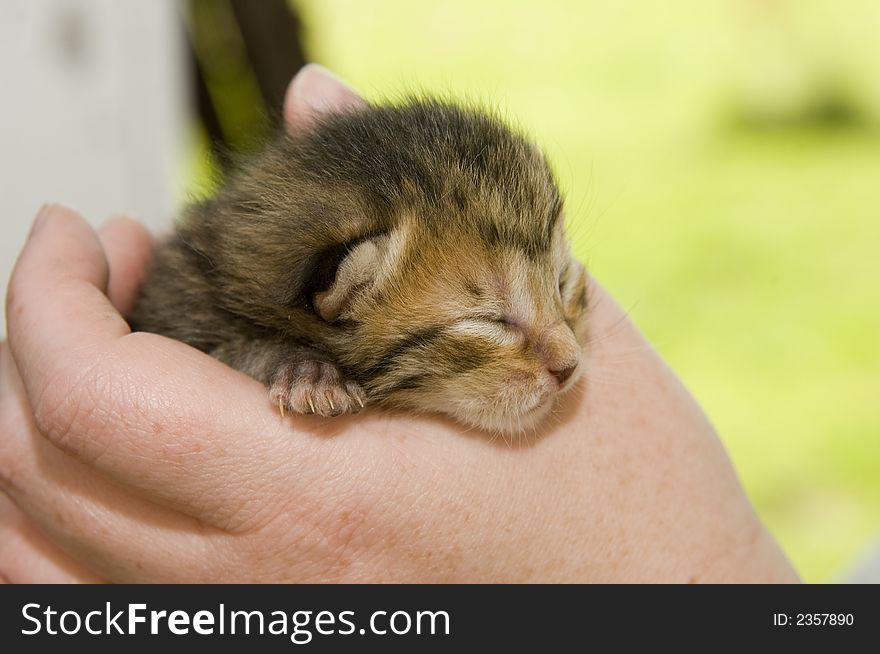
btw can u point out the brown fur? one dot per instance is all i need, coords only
(406, 256)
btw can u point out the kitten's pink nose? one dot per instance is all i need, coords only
(563, 374)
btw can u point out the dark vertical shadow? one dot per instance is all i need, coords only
(242, 55)
(271, 33)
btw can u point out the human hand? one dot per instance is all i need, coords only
(140, 459)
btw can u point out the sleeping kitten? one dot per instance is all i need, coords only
(408, 255)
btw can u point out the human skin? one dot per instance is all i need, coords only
(130, 457)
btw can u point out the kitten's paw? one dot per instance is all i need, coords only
(314, 387)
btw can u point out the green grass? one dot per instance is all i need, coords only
(721, 162)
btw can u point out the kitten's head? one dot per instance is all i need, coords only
(458, 294)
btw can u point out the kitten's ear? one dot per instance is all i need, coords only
(355, 275)
(315, 90)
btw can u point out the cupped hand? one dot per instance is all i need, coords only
(134, 458)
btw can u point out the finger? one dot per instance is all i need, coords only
(186, 432)
(28, 557)
(120, 536)
(144, 410)
(94, 521)
(128, 246)
(55, 306)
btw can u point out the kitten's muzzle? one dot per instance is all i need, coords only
(559, 351)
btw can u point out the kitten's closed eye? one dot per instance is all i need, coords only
(495, 318)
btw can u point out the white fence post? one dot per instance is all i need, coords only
(92, 111)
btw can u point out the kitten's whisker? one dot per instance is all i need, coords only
(612, 330)
(610, 381)
(637, 349)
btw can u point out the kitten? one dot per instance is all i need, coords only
(409, 255)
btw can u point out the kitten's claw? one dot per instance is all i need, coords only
(317, 387)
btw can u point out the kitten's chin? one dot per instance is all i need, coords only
(511, 406)
(515, 424)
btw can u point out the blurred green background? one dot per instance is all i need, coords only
(721, 162)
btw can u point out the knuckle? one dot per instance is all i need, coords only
(10, 449)
(66, 409)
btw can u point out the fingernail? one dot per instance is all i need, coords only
(40, 220)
